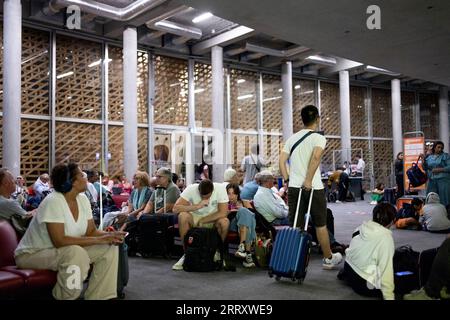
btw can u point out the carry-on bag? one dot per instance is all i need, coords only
(292, 249)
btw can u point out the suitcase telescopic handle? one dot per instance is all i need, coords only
(307, 215)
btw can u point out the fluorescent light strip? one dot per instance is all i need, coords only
(64, 75)
(35, 56)
(96, 63)
(199, 90)
(246, 96)
(273, 98)
(202, 17)
(241, 81)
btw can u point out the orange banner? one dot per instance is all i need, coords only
(412, 148)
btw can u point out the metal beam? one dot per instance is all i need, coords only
(223, 39)
(270, 62)
(341, 65)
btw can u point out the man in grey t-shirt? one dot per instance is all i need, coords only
(10, 207)
(165, 195)
(252, 164)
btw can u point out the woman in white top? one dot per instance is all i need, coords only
(63, 237)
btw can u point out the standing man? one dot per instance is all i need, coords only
(304, 163)
(252, 164)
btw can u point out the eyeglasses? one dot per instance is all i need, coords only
(160, 176)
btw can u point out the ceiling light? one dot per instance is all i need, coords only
(280, 90)
(241, 81)
(246, 96)
(297, 87)
(96, 63)
(199, 90)
(64, 75)
(273, 98)
(202, 17)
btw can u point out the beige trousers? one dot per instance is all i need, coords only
(73, 264)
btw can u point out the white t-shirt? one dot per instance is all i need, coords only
(301, 156)
(54, 209)
(192, 195)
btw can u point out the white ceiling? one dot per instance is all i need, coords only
(414, 38)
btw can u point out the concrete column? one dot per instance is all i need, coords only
(130, 143)
(344, 100)
(443, 117)
(286, 81)
(190, 139)
(12, 53)
(218, 112)
(396, 117)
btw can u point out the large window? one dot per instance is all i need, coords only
(272, 103)
(381, 113)
(304, 93)
(330, 114)
(203, 94)
(243, 94)
(429, 115)
(408, 111)
(358, 112)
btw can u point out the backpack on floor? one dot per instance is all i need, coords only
(200, 246)
(406, 270)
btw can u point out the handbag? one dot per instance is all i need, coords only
(415, 175)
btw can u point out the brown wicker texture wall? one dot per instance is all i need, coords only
(203, 94)
(358, 112)
(115, 90)
(142, 149)
(327, 158)
(272, 103)
(76, 142)
(34, 149)
(1, 141)
(1, 68)
(429, 115)
(362, 147)
(115, 147)
(171, 100)
(78, 83)
(408, 99)
(381, 113)
(115, 84)
(382, 162)
(303, 94)
(243, 99)
(35, 66)
(273, 147)
(329, 112)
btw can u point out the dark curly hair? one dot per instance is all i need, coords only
(236, 190)
(384, 213)
(62, 176)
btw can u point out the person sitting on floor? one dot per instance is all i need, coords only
(438, 283)
(408, 216)
(63, 235)
(434, 218)
(372, 274)
(244, 223)
(202, 205)
(377, 194)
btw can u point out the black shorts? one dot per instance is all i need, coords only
(318, 207)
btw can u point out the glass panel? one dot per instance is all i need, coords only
(381, 113)
(78, 80)
(429, 115)
(383, 162)
(304, 93)
(358, 112)
(203, 94)
(272, 103)
(330, 120)
(408, 111)
(243, 89)
(115, 148)
(34, 149)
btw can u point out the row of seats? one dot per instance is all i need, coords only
(14, 282)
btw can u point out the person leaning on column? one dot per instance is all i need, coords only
(62, 237)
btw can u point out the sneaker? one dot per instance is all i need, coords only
(417, 295)
(217, 256)
(240, 253)
(445, 294)
(179, 265)
(337, 201)
(330, 264)
(248, 262)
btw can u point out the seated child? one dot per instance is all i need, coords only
(377, 194)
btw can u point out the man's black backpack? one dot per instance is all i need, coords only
(406, 270)
(200, 246)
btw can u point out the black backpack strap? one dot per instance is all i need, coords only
(301, 140)
(355, 233)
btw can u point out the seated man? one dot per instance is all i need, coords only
(10, 208)
(202, 205)
(268, 203)
(249, 190)
(408, 216)
(164, 197)
(41, 185)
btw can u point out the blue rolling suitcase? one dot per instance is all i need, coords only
(291, 250)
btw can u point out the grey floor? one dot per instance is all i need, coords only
(153, 278)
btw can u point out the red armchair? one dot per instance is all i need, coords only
(15, 282)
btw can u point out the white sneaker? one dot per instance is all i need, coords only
(337, 201)
(179, 265)
(240, 252)
(217, 256)
(330, 264)
(248, 262)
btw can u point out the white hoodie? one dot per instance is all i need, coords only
(371, 254)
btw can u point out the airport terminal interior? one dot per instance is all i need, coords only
(150, 101)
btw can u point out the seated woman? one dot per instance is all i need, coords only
(63, 237)
(372, 274)
(136, 202)
(244, 223)
(434, 218)
(377, 194)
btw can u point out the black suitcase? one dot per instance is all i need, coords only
(155, 235)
